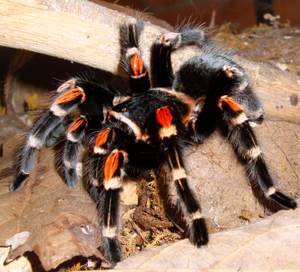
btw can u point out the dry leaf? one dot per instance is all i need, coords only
(46, 217)
(20, 264)
(269, 244)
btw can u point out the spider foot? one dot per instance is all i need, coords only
(71, 177)
(232, 72)
(108, 206)
(171, 39)
(75, 136)
(18, 182)
(69, 84)
(198, 232)
(186, 36)
(194, 36)
(112, 250)
(283, 200)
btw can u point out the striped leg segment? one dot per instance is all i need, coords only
(114, 169)
(226, 80)
(161, 66)
(243, 140)
(198, 233)
(72, 146)
(114, 154)
(131, 56)
(109, 216)
(35, 141)
(113, 151)
(66, 101)
(55, 135)
(105, 142)
(106, 176)
(179, 188)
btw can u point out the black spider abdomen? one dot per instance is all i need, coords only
(197, 76)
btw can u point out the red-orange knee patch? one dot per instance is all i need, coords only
(77, 123)
(231, 103)
(71, 95)
(111, 165)
(164, 117)
(137, 64)
(102, 137)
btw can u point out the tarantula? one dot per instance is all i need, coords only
(152, 125)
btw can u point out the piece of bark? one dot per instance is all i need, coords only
(21, 264)
(88, 33)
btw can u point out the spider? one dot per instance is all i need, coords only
(150, 127)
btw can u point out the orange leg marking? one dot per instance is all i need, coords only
(111, 165)
(137, 64)
(76, 124)
(71, 95)
(102, 137)
(231, 102)
(164, 117)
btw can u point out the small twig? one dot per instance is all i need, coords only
(137, 229)
(175, 224)
(212, 19)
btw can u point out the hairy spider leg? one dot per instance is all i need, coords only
(109, 205)
(72, 94)
(63, 104)
(106, 177)
(92, 118)
(114, 155)
(178, 188)
(230, 81)
(223, 78)
(75, 134)
(193, 36)
(131, 56)
(105, 142)
(161, 67)
(242, 138)
(55, 135)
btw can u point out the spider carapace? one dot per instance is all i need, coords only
(151, 126)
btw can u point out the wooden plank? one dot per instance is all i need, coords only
(79, 31)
